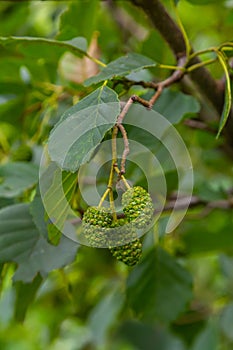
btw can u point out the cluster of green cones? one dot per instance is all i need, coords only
(101, 230)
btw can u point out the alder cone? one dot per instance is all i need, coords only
(121, 232)
(138, 207)
(96, 222)
(129, 253)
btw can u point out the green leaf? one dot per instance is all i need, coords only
(7, 307)
(159, 288)
(37, 212)
(144, 336)
(104, 315)
(207, 339)
(16, 178)
(26, 293)
(59, 200)
(21, 242)
(121, 67)
(82, 12)
(226, 321)
(37, 48)
(212, 234)
(82, 127)
(228, 98)
(174, 105)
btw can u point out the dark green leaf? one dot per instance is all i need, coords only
(174, 105)
(20, 241)
(208, 339)
(159, 288)
(82, 127)
(121, 67)
(212, 234)
(16, 178)
(104, 315)
(147, 337)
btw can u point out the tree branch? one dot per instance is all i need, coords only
(172, 34)
(211, 89)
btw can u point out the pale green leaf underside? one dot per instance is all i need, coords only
(121, 67)
(81, 129)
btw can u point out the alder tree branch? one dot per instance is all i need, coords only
(195, 201)
(210, 88)
(172, 34)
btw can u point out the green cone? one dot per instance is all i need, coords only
(96, 222)
(129, 253)
(138, 207)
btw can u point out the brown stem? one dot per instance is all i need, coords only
(177, 75)
(126, 147)
(224, 204)
(172, 34)
(200, 125)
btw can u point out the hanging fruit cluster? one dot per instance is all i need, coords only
(102, 228)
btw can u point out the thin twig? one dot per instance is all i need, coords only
(124, 111)
(140, 100)
(197, 124)
(155, 96)
(126, 147)
(195, 201)
(121, 176)
(176, 76)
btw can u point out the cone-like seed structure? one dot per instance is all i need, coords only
(96, 222)
(120, 233)
(129, 253)
(22, 154)
(138, 207)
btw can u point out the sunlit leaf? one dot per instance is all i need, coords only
(228, 98)
(121, 67)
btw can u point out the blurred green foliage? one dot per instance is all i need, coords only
(179, 297)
